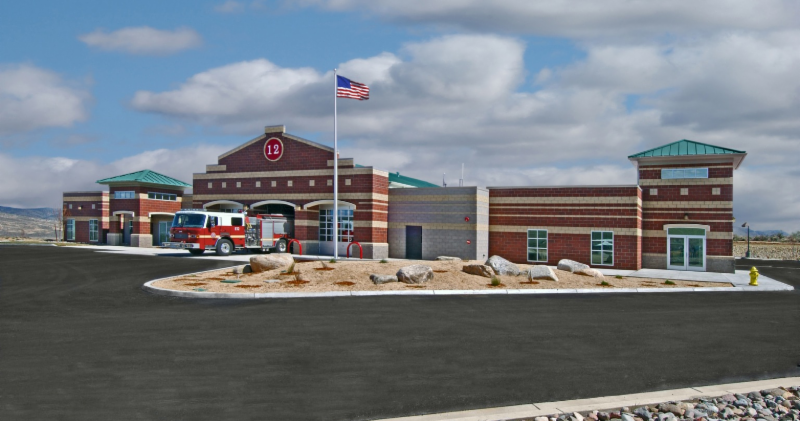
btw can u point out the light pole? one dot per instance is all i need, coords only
(746, 225)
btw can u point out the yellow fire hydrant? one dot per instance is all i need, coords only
(753, 276)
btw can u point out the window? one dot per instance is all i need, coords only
(236, 222)
(258, 184)
(330, 182)
(224, 184)
(345, 225)
(70, 229)
(346, 181)
(684, 191)
(653, 192)
(238, 184)
(603, 248)
(311, 183)
(92, 205)
(274, 183)
(684, 173)
(124, 195)
(189, 220)
(537, 245)
(715, 191)
(210, 185)
(70, 205)
(162, 196)
(289, 183)
(93, 230)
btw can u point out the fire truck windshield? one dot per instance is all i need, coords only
(189, 220)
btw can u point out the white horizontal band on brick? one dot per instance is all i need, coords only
(567, 216)
(686, 181)
(216, 167)
(566, 200)
(281, 174)
(439, 213)
(85, 199)
(710, 235)
(665, 166)
(609, 207)
(87, 218)
(564, 230)
(347, 162)
(290, 196)
(370, 224)
(687, 204)
(439, 226)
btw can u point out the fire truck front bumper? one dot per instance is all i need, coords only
(174, 245)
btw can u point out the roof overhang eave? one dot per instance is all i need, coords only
(734, 158)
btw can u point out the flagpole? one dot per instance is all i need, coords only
(335, 173)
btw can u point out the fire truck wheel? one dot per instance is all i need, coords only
(281, 246)
(224, 247)
(196, 252)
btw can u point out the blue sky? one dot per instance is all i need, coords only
(521, 93)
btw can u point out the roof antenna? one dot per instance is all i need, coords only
(444, 184)
(461, 180)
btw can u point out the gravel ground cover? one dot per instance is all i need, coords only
(354, 276)
(766, 405)
(767, 250)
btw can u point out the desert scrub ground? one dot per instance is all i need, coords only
(767, 250)
(354, 276)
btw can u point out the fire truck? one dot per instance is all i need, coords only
(198, 230)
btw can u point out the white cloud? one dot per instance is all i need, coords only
(143, 40)
(458, 98)
(229, 6)
(33, 98)
(580, 18)
(39, 181)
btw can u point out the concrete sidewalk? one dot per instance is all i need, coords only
(602, 403)
(739, 279)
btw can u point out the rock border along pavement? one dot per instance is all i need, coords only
(756, 401)
(148, 286)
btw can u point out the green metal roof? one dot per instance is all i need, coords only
(685, 148)
(145, 176)
(414, 182)
(401, 179)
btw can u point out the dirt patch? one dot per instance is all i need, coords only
(195, 284)
(448, 276)
(248, 286)
(324, 268)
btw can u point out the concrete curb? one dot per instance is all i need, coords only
(602, 403)
(148, 286)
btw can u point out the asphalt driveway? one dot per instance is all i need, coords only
(80, 340)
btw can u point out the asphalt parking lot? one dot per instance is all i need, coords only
(80, 340)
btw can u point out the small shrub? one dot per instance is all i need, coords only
(495, 281)
(668, 282)
(605, 284)
(384, 261)
(618, 276)
(332, 261)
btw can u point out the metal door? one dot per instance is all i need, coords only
(686, 253)
(163, 232)
(126, 232)
(413, 242)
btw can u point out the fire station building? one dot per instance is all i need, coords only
(678, 215)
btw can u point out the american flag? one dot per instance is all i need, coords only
(346, 88)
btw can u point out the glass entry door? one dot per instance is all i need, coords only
(163, 232)
(686, 252)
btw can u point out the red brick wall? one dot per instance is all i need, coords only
(567, 214)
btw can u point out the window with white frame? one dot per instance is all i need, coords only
(162, 196)
(93, 230)
(603, 248)
(70, 235)
(345, 225)
(124, 195)
(537, 245)
(670, 173)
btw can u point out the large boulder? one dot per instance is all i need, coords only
(265, 262)
(480, 270)
(591, 272)
(571, 265)
(382, 279)
(457, 259)
(542, 272)
(502, 266)
(415, 274)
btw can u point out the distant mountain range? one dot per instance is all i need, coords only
(743, 232)
(43, 213)
(37, 223)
